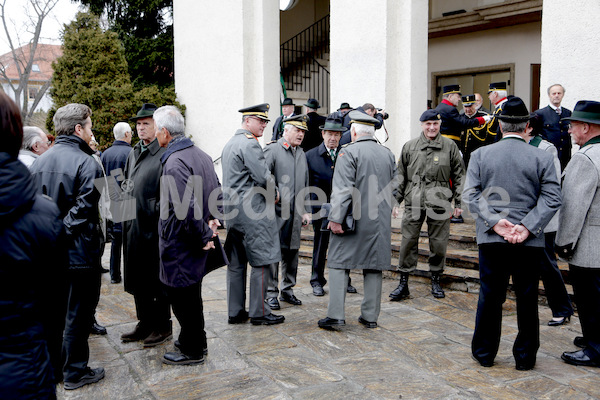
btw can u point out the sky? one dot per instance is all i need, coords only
(17, 20)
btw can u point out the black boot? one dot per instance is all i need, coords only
(401, 292)
(436, 289)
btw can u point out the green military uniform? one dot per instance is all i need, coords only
(430, 177)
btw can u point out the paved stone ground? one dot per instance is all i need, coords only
(421, 350)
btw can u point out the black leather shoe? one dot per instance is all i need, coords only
(178, 347)
(580, 341)
(118, 280)
(331, 322)
(290, 298)
(457, 220)
(483, 363)
(561, 321)
(318, 290)
(580, 357)
(351, 289)
(178, 358)
(367, 323)
(436, 288)
(97, 329)
(270, 319)
(241, 318)
(401, 292)
(523, 366)
(138, 333)
(104, 270)
(273, 303)
(158, 337)
(91, 376)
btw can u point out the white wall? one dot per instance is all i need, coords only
(226, 58)
(516, 44)
(571, 56)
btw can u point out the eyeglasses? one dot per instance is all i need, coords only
(262, 121)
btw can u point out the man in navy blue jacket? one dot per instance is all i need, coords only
(114, 159)
(555, 130)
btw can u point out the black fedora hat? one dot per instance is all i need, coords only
(288, 102)
(585, 111)
(514, 110)
(343, 106)
(312, 103)
(333, 124)
(147, 111)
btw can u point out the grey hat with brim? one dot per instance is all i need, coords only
(147, 111)
(333, 124)
(585, 111)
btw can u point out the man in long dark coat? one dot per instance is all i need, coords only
(140, 236)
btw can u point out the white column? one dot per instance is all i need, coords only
(226, 58)
(570, 46)
(379, 56)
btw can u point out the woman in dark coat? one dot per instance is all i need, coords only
(30, 315)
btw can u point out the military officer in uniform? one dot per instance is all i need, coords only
(452, 122)
(475, 137)
(498, 96)
(366, 168)
(426, 167)
(287, 110)
(287, 162)
(249, 195)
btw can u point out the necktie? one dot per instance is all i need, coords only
(332, 154)
(558, 110)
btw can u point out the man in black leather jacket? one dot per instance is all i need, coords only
(66, 173)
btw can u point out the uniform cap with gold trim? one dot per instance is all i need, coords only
(260, 111)
(299, 121)
(357, 117)
(468, 99)
(449, 89)
(495, 86)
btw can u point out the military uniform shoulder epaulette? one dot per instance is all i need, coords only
(249, 135)
(347, 144)
(271, 142)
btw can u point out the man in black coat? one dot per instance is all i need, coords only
(452, 122)
(67, 173)
(313, 136)
(287, 110)
(368, 109)
(321, 162)
(114, 159)
(32, 267)
(555, 130)
(475, 137)
(140, 236)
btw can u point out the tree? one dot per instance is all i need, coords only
(145, 27)
(21, 58)
(93, 71)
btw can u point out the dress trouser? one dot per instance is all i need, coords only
(497, 262)
(321, 243)
(289, 271)
(438, 231)
(338, 283)
(152, 309)
(115, 254)
(236, 279)
(586, 287)
(556, 293)
(83, 291)
(189, 311)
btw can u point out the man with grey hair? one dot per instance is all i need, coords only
(287, 162)
(362, 187)
(512, 190)
(35, 143)
(497, 94)
(114, 159)
(66, 173)
(555, 128)
(188, 242)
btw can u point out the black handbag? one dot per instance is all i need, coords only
(348, 224)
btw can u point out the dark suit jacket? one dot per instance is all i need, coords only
(320, 171)
(557, 132)
(313, 137)
(452, 122)
(278, 128)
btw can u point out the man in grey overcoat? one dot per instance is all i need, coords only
(362, 185)
(579, 229)
(141, 260)
(249, 197)
(287, 162)
(512, 191)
